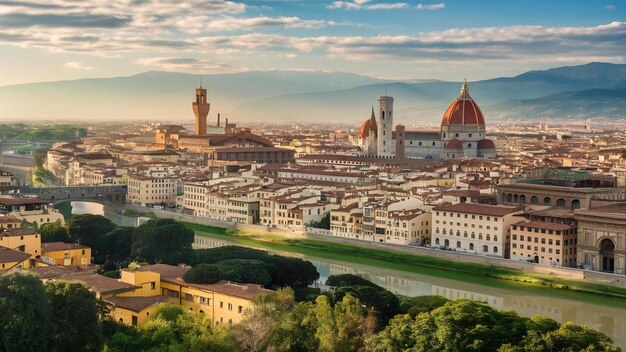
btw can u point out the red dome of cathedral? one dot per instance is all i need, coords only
(366, 127)
(454, 144)
(463, 111)
(486, 144)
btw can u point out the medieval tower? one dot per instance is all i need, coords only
(201, 110)
(385, 126)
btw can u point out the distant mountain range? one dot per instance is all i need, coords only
(594, 90)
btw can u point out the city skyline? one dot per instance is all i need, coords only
(448, 40)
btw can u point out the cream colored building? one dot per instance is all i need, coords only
(145, 190)
(474, 228)
(32, 210)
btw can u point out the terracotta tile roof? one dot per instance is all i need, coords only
(95, 282)
(60, 246)
(479, 209)
(545, 225)
(8, 255)
(617, 208)
(136, 304)
(9, 218)
(21, 201)
(18, 231)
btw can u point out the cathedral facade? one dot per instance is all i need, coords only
(462, 133)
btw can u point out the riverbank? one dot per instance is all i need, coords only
(472, 273)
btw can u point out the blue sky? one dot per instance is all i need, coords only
(42, 40)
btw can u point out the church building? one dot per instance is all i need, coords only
(462, 133)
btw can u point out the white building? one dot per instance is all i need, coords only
(474, 228)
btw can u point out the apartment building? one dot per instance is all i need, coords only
(158, 189)
(546, 237)
(474, 228)
(296, 209)
(32, 210)
(67, 254)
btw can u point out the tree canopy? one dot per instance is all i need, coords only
(89, 230)
(203, 274)
(161, 240)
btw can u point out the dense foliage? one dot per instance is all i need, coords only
(89, 230)
(203, 274)
(242, 264)
(162, 240)
(57, 316)
(53, 232)
(65, 316)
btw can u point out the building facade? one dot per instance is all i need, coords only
(474, 228)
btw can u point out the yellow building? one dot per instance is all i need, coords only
(9, 222)
(24, 240)
(10, 258)
(61, 253)
(223, 301)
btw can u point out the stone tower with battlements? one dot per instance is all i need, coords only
(201, 110)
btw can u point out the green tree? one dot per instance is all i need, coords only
(384, 303)
(341, 328)
(245, 271)
(76, 312)
(203, 274)
(292, 272)
(421, 304)
(89, 230)
(349, 280)
(53, 232)
(324, 222)
(161, 240)
(25, 315)
(116, 244)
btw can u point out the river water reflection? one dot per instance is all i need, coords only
(609, 320)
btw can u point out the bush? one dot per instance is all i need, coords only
(245, 271)
(203, 274)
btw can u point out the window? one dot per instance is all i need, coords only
(240, 309)
(230, 306)
(202, 300)
(221, 305)
(188, 297)
(134, 320)
(153, 285)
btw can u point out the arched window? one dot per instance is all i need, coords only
(575, 204)
(560, 203)
(480, 237)
(447, 243)
(547, 201)
(534, 200)
(471, 247)
(495, 237)
(465, 234)
(458, 244)
(515, 199)
(509, 198)
(436, 240)
(485, 249)
(469, 145)
(473, 235)
(495, 249)
(383, 115)
(458, 233)
(522, 198)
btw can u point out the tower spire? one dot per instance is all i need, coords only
(464, 90)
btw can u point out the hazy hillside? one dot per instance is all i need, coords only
(591, 90)
(160, 95)
(602, 102)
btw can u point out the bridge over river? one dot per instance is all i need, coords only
(114, 195)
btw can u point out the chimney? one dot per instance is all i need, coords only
(218, 119)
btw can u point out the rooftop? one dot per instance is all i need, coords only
(479, 209)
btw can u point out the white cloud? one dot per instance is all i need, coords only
(234, 23)
(610, 7)
(77, 65)
(363, 5)
(388, 6)
(190, 65)
(437, 6)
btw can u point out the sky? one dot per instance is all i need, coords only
(46, 40)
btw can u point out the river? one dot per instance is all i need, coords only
(603, 317)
